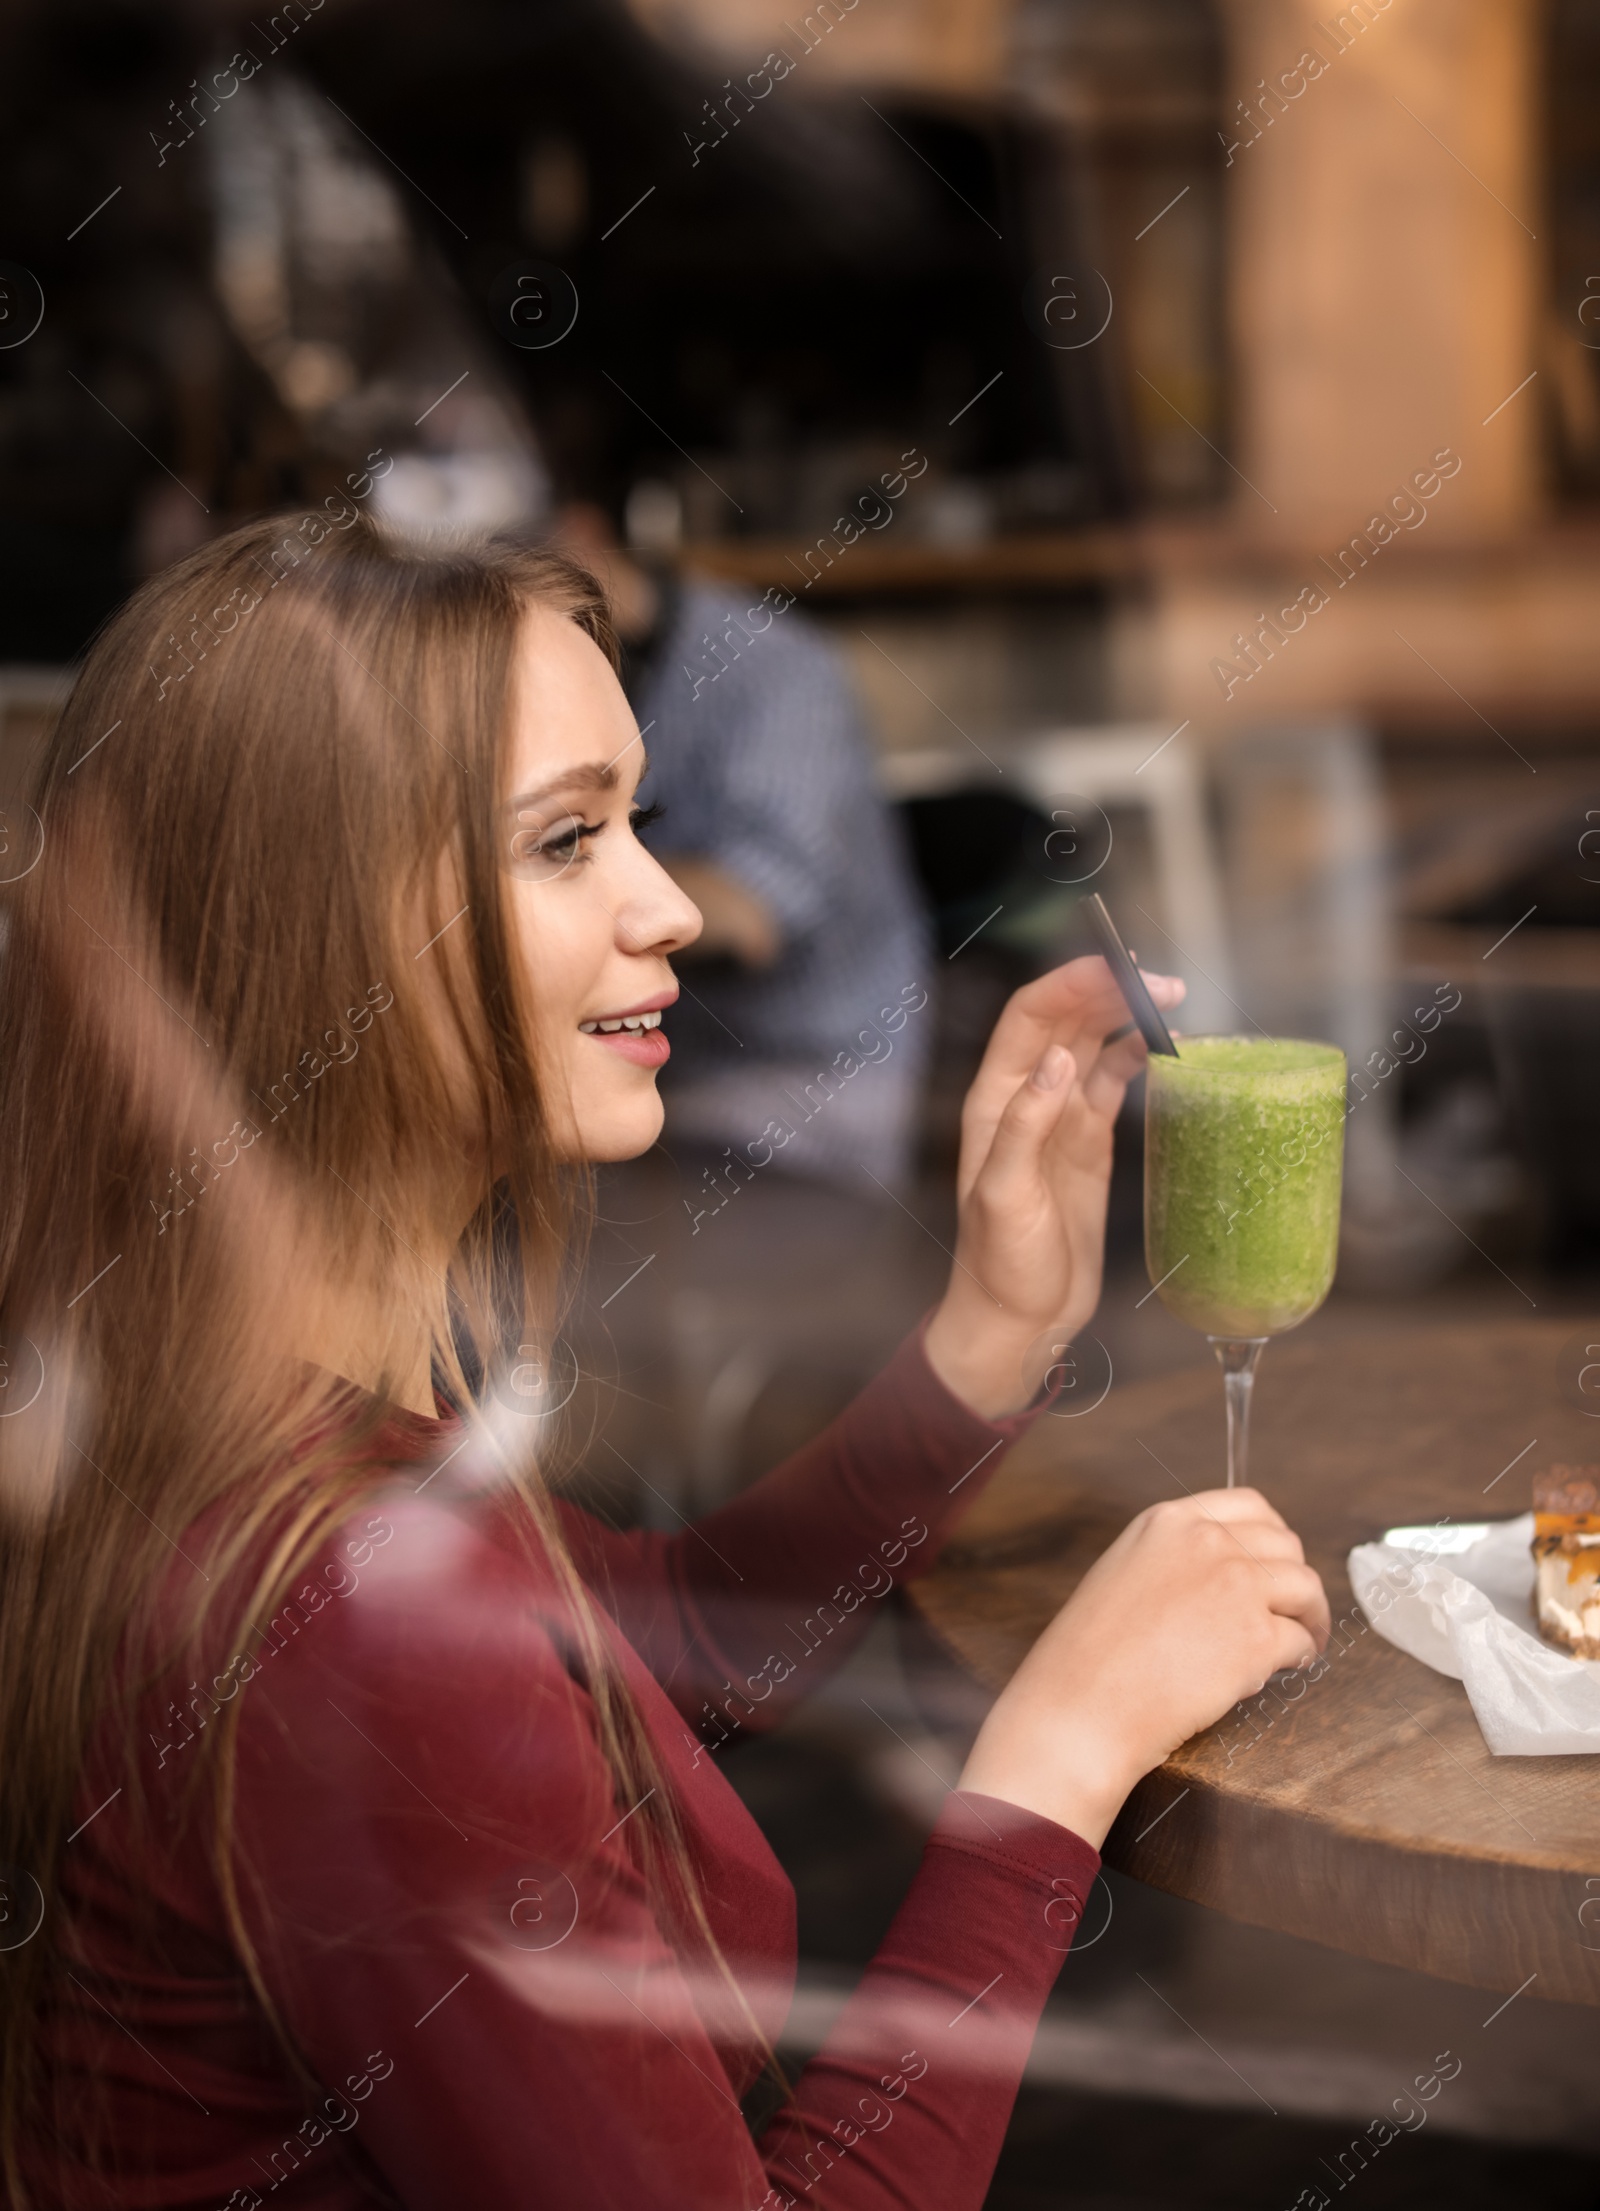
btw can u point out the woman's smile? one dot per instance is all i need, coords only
(636, 1034)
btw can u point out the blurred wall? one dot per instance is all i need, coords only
(1386, 221)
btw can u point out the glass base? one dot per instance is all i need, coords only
(1237, 1356)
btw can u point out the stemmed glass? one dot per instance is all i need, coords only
(1244, 1149)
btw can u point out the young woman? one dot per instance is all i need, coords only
(364, 1830)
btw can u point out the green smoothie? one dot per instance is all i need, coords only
(1244, 1144)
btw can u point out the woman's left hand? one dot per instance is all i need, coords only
(1032, 1183)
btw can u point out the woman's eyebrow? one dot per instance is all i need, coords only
(592, 776)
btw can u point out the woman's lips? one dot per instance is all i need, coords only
(636, 1032)
(645, 1047)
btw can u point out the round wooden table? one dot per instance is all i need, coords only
(1368, 1813)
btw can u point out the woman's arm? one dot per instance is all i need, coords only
(744, 1613)
(907, 2103)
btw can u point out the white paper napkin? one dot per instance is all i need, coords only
(1461, 1600)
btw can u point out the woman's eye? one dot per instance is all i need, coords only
(547, 848)
(642, 816)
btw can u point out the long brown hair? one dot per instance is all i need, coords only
(278, 756)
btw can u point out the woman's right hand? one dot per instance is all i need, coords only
(1192, 1607)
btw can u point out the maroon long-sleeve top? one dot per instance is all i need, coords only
(448, 1902)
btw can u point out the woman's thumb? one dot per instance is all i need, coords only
(1054, 1070)
(1033, 1111)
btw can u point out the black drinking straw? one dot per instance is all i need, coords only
(1145, 1011)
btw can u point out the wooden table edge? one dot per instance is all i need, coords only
(1429, 1911)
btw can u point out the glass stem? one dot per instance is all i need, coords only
(1237, 1356)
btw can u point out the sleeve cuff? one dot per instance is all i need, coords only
(1049, 1868)
(1037, 1850)
(1000, 1895)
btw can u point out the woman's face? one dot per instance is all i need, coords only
(594, 916)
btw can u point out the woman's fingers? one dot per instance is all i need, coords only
(1266, 1541)
(1086, 987)
(1115, 1066)
(1077, 1005)
(1294, 1646)
(1120, 1060)
(1024, 1127)
(1242, 1503)
(1296, 1594)
(1251, 1532)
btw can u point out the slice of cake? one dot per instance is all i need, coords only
(1566, 1557)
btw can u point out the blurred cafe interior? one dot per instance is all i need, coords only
(1034, 448)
